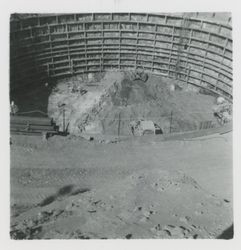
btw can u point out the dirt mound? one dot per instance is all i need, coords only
(110, 104)
(154, 100)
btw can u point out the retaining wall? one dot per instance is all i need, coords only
(193, 47)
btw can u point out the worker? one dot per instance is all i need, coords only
(13, 108)
(132, 130)
(133, 126)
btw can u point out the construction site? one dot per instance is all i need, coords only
(121, 126)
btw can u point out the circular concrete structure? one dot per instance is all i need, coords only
(195, 48)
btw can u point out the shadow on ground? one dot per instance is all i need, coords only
(64, 191)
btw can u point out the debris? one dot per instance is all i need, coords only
(222, 110)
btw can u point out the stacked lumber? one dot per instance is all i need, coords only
(32, 125)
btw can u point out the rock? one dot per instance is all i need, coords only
(220, 100)
(184, 219)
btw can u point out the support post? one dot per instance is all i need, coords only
(119, 120)
(170, 130)
(63, 119)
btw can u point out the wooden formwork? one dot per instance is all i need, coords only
(196, 49)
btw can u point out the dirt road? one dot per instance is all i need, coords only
(72, 188)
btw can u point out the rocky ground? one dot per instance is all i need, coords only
(68, 187)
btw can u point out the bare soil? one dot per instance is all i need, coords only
(109, 104)
(69, 188)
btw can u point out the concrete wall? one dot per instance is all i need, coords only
(193, 47)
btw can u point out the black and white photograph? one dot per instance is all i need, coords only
(119, 125)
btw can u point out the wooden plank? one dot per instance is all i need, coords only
(31, 120)
(25, 133)
(32, 127)
(33, 131)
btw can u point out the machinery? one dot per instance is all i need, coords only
(139, 75)
(143, 127)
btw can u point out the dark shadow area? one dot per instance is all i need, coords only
(32, 96)
(30, 84)
(227, 234)
(48, 200)
(64, 191)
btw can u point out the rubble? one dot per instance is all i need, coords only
(222, 110)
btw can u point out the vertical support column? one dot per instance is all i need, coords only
(38, 20)
(170, 54)
(188, 50)
(51, 50)
(31, 32)
(85, 37)
(137, 40)
(119, 122)
(203, 63)
(224, 49)
(102, 49)
(120, 34)
(219, 28)
(154, 48)
(165, 20)
(188, 75)
(21, 25)
(69, 55)
(170, 129)
(48, 71)
(217, 82)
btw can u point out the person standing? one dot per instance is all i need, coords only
(13, 108)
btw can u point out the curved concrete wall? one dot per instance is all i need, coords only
(194, 47)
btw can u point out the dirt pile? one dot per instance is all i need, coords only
(108, 105)
(71, 102)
